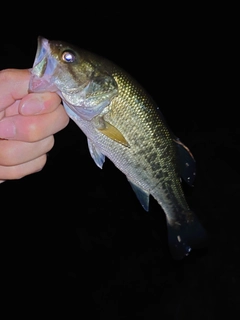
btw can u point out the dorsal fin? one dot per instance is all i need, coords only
(187, 163)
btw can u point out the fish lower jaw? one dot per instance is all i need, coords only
(41, 85)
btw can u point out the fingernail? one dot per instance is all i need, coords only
(32, 106)
(7, 129)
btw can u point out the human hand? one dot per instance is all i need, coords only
(28, 122)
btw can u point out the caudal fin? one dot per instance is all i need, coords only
(185, 236)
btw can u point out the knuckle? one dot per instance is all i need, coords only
(66, 121)
(7, 75)
(51, 143)
(41, 163)
(32, 132)
(18, 172)
(7, 157)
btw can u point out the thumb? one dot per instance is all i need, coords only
(39, 103)
(13, 86)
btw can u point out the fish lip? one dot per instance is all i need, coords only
(41, 57)
(42, 49)
(43, 68)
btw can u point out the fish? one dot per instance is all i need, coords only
(123, 123)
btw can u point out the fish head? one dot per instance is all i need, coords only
(80, 78)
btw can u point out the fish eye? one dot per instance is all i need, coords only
(68, 56)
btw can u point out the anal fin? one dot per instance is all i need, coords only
(141, 194)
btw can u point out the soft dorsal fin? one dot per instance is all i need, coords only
(187, 163)
(141, 194)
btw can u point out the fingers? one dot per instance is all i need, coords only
(33, 128)
(18, 158)
(39, 103)
(27, 117)
(28, 121)
(23, 169)
(14, 152)
(13, 86)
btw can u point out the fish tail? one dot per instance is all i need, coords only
(185, 234)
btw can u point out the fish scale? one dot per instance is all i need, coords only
(123, 123)
(150, 155)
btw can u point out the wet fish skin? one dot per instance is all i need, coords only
(123, 123)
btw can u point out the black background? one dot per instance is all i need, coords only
(75, 237)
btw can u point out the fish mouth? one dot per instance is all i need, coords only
(43, 68)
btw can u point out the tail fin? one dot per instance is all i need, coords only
(184, 236)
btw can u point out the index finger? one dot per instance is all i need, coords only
(13, 86)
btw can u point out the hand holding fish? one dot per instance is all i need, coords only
(27, 124)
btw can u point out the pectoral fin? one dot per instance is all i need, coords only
(113, 133)
(141, 194)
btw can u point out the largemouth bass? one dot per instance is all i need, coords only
(123, 123)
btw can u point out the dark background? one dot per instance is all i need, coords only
(75, 237)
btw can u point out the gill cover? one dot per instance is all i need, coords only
(81, 83)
